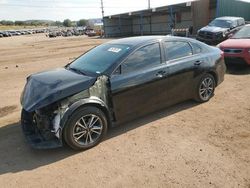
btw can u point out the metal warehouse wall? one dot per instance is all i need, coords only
(203, 11)
(116, 27)
(233, 8)
(156, 24)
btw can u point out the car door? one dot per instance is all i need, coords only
(182, 65)
(136, 86)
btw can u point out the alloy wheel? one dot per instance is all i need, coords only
(206, 88)
(87, 129)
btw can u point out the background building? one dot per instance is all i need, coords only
(159, 21)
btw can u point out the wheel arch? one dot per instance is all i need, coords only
(214, 75)
(95, 102)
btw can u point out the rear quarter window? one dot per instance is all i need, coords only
(241, 22)
(196, 48)
(177, 49)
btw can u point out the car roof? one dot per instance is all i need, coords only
(136, 41)
(229, 18)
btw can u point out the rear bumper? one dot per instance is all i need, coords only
(34, 137)
(221, 71)
(243, 59)
(237, 61)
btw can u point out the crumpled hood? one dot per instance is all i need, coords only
(213, 29)
(48, 87)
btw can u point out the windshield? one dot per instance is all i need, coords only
(99, 59)
(243, 33)
(221, 23)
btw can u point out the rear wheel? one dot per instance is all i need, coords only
(85, 128)
(205, 88)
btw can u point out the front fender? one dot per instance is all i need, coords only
(72, 108)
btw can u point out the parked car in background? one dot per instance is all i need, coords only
(7, 34)
(29, 32)
(113, 83)
(90, 33)
(220, 29)
(237, 48)
(18, 33)
(100, 32)
(52, 34)
(68, 33)
(14, 33)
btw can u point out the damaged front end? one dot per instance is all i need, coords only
(43, 127)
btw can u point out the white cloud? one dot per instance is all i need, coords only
(3, 1)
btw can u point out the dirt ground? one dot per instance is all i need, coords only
(187, 145)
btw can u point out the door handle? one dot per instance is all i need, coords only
(160, 74)
(198, 62)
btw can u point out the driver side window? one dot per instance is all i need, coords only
(145, 57)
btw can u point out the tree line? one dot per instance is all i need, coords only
(65, 23)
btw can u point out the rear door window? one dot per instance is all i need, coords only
(176, 50)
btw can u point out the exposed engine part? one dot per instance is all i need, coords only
(56, 125)
(57, 119)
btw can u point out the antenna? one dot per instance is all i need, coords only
(148, 4)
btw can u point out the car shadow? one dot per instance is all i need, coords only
(17, 156)
(238, 69)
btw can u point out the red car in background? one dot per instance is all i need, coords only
(237, 48)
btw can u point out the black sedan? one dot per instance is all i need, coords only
(114, 83)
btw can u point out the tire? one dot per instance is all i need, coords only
(205, 88)
(85, 128)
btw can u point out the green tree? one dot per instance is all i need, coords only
(19, 23)
(6, 22)
(58, 23)
(82, 22)
(67, 23)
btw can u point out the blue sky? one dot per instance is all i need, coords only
(72, 9)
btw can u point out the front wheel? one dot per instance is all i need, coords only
(205, 88)
(85, 128)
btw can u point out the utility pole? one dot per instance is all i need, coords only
(102, 17)
(102, 9)
(148, 4)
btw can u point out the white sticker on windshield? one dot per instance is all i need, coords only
(115, 50)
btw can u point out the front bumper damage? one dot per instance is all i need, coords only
(37, 138)
(43, 128)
